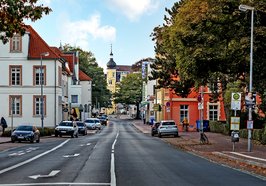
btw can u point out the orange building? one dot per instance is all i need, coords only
(177, 108)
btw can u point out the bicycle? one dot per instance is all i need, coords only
(203, 138)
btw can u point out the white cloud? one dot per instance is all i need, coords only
(134, 9)
(78, 33)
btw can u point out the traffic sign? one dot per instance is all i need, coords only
(236, 101)
(250, 124)
(167, 104)
(235, 123)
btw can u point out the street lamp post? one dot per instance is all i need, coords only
(245, 8)
(42, 74)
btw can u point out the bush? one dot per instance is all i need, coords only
(46, 131)
(257, 134)
(263, 136)
(243, 133)
(218, 127)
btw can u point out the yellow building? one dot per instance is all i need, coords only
(114, 75)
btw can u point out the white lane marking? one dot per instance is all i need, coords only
(112, 171)
(22, 152)
(251, 157)
(51, 174)
(70, 155)
(32, 159)
(59, 183)
(86, 144)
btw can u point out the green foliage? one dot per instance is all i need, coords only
(263, 137)
(129, 90)
(13, 12)
(206, 40)
(257, 134)
(243, 133)
(46, 131)
(219, 127)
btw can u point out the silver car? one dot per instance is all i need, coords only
(98, 124)
(167, 127)
(90, 123)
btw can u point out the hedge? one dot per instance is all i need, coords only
(257, 134)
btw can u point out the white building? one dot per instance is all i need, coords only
(21, 76)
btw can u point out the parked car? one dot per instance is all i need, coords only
(98, 124)
(66, 128)
(90, 123)
(105, 115)
(82, 128)
(103, 119)
(25, 133)
(154, 128)
(167, 127)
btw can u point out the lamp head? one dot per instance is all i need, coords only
(244, 8)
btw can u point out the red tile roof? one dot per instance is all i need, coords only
(38, 46)
(124, 68)
(83, 76)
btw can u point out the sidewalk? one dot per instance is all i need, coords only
(219, 149)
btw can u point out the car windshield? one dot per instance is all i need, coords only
(97, 121)
(80, 124)
(168, 123)
(25, 128)
(89, 121)
(69, 124)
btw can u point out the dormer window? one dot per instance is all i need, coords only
(16, 43)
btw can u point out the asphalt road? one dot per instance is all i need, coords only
(118, 155)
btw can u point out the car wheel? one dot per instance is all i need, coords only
(32, 140)
(159, 135)
(176, 135)
(56, 135)
(12, 140)
(152, 134)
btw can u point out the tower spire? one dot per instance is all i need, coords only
(111, 54)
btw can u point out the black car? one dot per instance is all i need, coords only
(154, 128)
(103, 119)
(25, 133)
(82, 128)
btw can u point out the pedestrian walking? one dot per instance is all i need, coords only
(3, 125)
(73, 115)
(185, 124)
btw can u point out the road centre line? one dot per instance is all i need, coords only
(32, 159)
(112, 171)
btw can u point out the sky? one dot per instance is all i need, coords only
(95, 25)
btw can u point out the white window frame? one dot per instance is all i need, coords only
(184, 112)
(213, 110)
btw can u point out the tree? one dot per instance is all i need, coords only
(100, 94)
(207, 40)
(130, 91)
(164, 67)
(12, 13)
